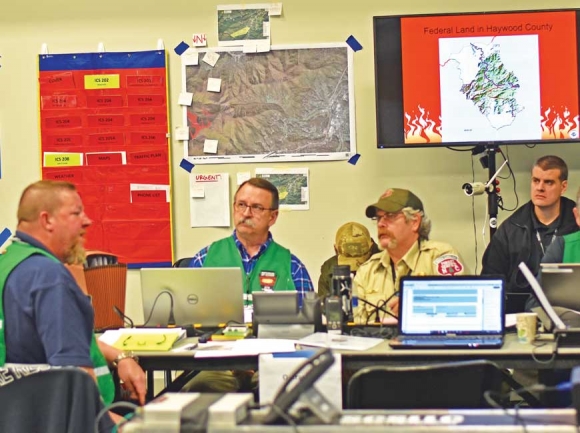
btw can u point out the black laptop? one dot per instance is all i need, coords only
(448, 312)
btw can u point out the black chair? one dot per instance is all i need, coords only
(183, 262)
(436, 386)
(63, 400)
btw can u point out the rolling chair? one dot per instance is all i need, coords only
(435, 386)
(61, 400)
(183, 262)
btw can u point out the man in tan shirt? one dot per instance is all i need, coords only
(403, 234)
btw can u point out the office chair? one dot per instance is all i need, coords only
(183, 262)
(63, 400)
(436, 386)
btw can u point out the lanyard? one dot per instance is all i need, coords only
(539, 238)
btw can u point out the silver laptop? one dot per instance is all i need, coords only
(205, 296)
(561, 284)
(463, 311)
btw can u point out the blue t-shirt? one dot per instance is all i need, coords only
(48, 319)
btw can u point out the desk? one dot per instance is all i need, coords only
(512, 355)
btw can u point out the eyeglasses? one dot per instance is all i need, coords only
(388, 217)
(257, 209)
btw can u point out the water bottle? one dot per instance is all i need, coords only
(342, 287)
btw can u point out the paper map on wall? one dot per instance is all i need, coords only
(289, 104)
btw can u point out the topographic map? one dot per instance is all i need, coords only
(490, 88)
(286, 104)
(243, 25)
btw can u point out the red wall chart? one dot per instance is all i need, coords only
(104, 127)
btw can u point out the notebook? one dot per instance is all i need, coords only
(205, 296)
(561, 284)
(450, 312)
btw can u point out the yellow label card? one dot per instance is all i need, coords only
(55, 159)
(102, 81)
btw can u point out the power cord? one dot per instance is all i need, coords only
(171, 320)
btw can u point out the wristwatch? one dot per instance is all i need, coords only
(124, 355)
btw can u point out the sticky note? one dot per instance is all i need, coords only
(250, 48)
(266, 29)
(243, 176)
(353, 43)
(275, 9)
(186, 165)
(182, 133)
(263, 46)
(199, 40)
(211, 58)
(210, 146)
(354, 159)
(185, 98)
(190, 57)
(197, 190)
(214, 84)
(180, 48)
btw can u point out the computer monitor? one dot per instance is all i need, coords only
(206, 296)
(561, 284)
(281, 314)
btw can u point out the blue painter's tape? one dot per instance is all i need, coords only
(353, 43)
(354, 159)
(180, 49)
(186, 165)
(4, 236)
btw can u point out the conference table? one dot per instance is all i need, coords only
(542, 354)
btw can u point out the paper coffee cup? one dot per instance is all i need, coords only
(526, 324)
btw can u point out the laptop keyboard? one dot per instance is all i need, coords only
(460, 340)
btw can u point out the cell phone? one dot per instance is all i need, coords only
(300, 380)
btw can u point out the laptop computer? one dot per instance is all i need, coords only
(450, 312)
(561, 284)
(205, 296)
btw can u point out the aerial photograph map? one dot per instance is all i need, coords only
(242, 24)
(292, 186)
(286, 101)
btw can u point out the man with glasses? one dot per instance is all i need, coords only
(403, 234)
(268, 266)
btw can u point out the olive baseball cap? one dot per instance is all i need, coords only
(353, 245)
(393, 200)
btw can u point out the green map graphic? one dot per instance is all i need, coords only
(494, 89)
(241, 25)
(289, 186)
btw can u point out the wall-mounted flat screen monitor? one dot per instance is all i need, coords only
(477, 78)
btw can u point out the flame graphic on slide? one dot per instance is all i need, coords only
(421, 128)
(559, 125)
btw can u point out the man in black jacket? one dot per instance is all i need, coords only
(527, 233)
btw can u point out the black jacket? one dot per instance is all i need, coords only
(512, 243)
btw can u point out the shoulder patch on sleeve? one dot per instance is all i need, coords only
(448, 264)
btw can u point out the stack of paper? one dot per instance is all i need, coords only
(143, 339)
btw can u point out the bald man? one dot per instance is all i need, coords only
(46, 318)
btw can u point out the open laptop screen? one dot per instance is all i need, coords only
(441, 305)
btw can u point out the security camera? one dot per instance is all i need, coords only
(474, 188)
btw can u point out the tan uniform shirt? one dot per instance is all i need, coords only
(376, 283)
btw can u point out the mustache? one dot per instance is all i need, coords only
(247, 221)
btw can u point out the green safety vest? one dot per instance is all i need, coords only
(16, 253)
(572, 248)
(275, 259)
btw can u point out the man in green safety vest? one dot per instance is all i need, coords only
(45, 318)
(266, 264)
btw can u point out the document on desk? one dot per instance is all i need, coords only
(344, 342)
(143, 339)
(245, 347)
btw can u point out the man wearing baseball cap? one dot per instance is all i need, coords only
(353, 246)
(403, 234)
